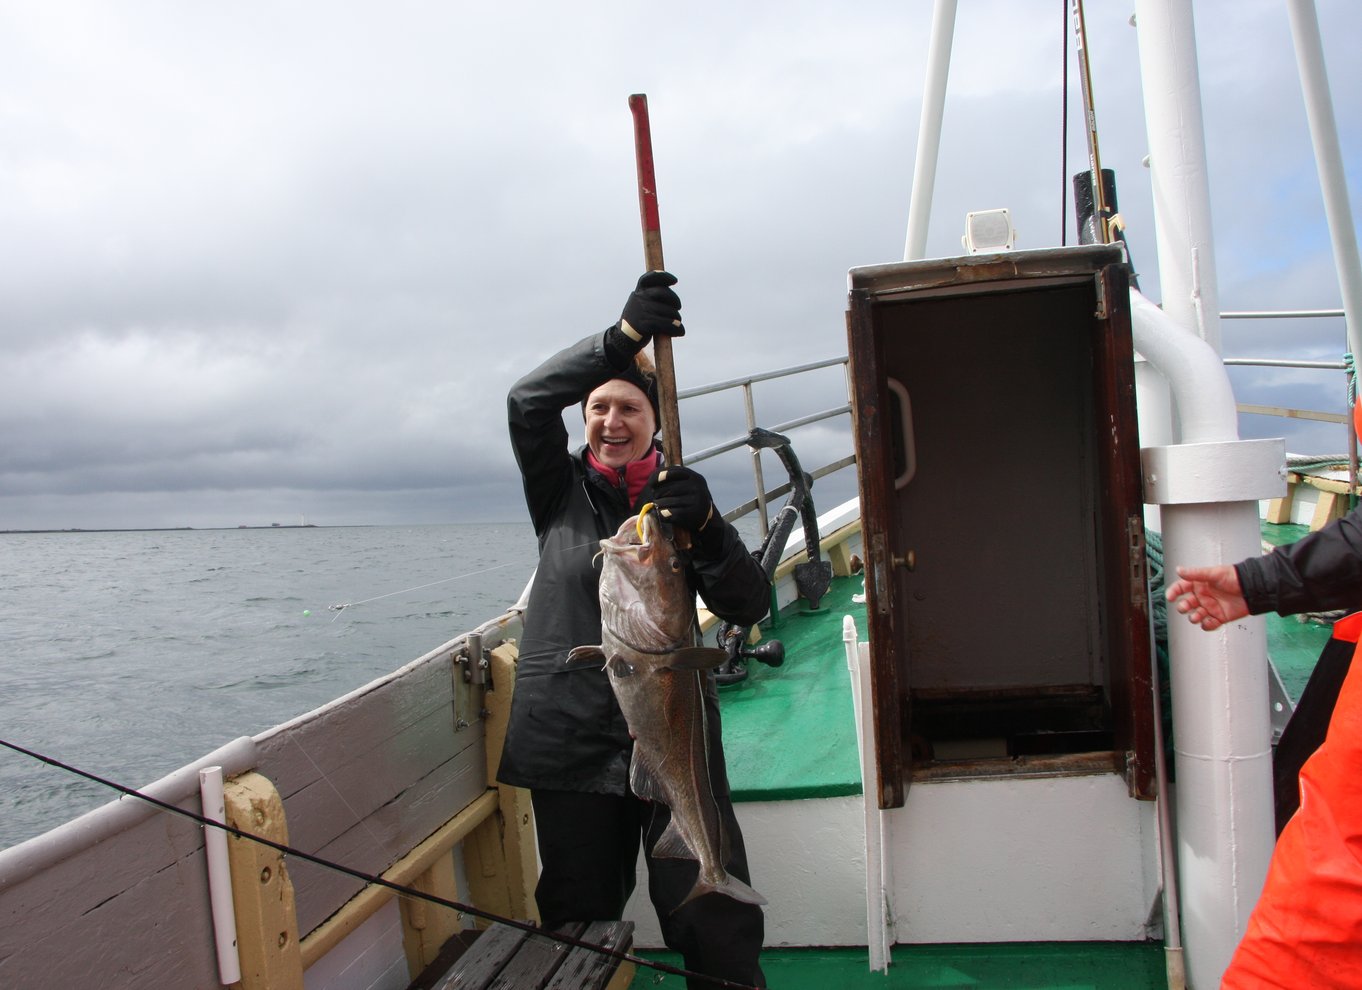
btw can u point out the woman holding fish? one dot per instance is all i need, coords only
(568, 740)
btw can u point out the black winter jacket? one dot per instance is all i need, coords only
(1320, 571)
(566, 730)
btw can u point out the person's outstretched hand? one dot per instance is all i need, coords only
(1208, 596)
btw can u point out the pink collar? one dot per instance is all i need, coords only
(633, 475)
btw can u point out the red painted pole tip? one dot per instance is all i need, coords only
(643, 156)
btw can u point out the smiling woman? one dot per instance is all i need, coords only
(567, 739)
(620, 421)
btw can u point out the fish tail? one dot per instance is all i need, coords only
(729, 886)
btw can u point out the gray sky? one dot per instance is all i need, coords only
(266, 261)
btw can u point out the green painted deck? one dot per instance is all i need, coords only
(1014, 966)
(790, 731)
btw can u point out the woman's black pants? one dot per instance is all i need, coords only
(588, 848)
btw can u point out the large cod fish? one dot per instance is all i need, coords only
(647, 614)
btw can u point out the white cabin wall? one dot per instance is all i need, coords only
(807, 859)
(1023, 859)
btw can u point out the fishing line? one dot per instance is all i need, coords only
(342, 606)
(361, 821)
(370, 878)
(421, 587)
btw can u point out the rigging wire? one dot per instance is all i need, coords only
(1064, 126)
(370, 878)
(1101, 217)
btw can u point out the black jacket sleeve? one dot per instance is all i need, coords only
(1320, 571)
(535, 413)
(732, 583)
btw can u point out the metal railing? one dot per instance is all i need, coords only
(1286, 412)
(763, 495)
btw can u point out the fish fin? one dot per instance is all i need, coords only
(697, 658)
(585, 654)
(642, 782)
(671, 845)
(619, 666)
(729, 886)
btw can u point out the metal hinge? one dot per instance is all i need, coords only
(473, 670)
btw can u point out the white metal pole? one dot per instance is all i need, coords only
(219, 875)
(1319, 110)
(876, 875)
(1207, 485)
(929, 130)
(1177, 163)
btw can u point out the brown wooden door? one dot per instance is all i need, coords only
(1001, 502)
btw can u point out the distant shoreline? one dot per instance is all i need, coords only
(161, 529)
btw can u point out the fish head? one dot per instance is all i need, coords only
(646, 599)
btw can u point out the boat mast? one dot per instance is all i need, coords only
(929, 130)
(1207, 483)
(1319, 111)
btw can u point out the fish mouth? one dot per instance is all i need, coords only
(638, 534)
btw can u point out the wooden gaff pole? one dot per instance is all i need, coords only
(652, 260)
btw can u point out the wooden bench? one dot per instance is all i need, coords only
(506, 958)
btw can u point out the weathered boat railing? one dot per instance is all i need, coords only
(387, 780)
(1344, 365)
(1284, 411)
(764, 495)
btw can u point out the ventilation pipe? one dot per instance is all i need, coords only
(1207, 484)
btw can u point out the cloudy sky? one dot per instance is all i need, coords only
(271, 261)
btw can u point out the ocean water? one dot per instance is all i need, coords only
(129, 654)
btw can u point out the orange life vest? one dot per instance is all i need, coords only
(1306, 930)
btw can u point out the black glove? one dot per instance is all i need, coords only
(682, 498)
(652, 309)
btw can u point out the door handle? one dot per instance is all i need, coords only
(906, 430)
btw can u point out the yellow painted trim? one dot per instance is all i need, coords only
(266, 920)
(836, 538)
(623, 978)
(501, 863)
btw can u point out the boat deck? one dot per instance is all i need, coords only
(781, 744)
(1007, 966)
(790, 731)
